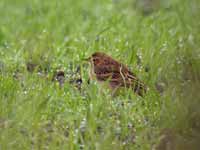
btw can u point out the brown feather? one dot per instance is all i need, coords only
(105, 68)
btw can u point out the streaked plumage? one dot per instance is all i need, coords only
(105, 68)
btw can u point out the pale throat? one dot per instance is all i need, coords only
(92, 74)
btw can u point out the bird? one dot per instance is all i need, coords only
(104, 68)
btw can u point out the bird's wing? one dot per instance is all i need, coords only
(127, 79)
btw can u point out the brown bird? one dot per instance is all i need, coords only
(105, 69)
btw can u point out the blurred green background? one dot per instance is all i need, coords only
(160, 42)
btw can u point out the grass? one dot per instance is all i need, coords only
(159, 42)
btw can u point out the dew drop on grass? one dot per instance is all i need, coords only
(39, 73)
(117, 50)
(23, 42)
(76, 132)
(33, 88)
(25, 92)
(117, 40)
(6, 45)
(44, 30)
(191, 39)
(164, 48)
(82, 146)
(83, 38)
(76, 40)
(126, 44)
(66, 39)
(130, 125)
(83, 125)
(139, 57)
(118, 130)
(178, 60)
(171, 32)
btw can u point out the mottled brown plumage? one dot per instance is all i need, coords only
(105, 68)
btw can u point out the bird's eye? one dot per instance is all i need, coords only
(95, 60)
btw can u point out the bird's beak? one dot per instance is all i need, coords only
(86, 59)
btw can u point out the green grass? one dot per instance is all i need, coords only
(35, 113)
